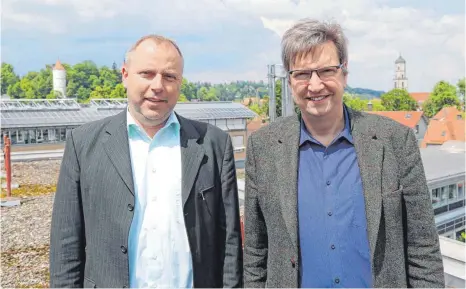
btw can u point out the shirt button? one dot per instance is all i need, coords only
(328, 183)
(130, 207)
(330, 213)
(337, 280)
(333, 246)
(123, 249)
(154, 170)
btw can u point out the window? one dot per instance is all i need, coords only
(459, 116)
(238, 141)
(395, 84)
(417, 128)
(402, 84)
(452, 192)
(461, 191)
(435, 195)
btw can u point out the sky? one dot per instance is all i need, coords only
(229, 40)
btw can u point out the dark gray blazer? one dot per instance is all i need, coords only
(402, 235)
(94, 203)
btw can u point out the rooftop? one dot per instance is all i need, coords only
(407, 118)
(420, 96)
(448, 124)
(439, 162)
(400, 60)
(58, 65)
(59, 112)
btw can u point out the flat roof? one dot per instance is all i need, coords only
(67, 112)
(440, 164)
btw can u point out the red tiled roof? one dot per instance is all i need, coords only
(254, 125)
(407, 118)
(445, 126)
(420, 96)
(58, 66)
(448, 113)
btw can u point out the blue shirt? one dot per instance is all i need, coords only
(331, 214)
(158, 248)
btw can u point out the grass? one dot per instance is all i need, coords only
(30, 190)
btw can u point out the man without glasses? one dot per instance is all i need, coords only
(335, 197)
(147, 198)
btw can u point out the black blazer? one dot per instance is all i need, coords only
(93, 206)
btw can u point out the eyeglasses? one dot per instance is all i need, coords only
(324, 73)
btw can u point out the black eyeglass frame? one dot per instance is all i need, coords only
(316, 70)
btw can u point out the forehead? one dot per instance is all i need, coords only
(321, 55)
(150, 54)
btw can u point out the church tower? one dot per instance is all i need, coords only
(59, 79)
(401, 81)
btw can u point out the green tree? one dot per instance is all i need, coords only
(182, 98)
(101, 92)
(8, 77)
(108, 77)
(398, 100)
(377, 105)
(443, 95)
(119, 91)
(278, 98)
(462, 237)
(212, 95)
(461, 89)
(354, 102)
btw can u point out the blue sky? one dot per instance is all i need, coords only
(227, 40)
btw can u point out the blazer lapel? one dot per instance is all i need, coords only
(370, 158)
(192, 154)
(287, 174)
(117, 148)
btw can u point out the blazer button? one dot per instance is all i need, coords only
(130, 207)
(123, 249)
(293, 263)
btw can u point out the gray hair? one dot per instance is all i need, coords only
(308, 33)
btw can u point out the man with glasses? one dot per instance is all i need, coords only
(335, 197)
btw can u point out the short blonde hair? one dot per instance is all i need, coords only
(158, 39)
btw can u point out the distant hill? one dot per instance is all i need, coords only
(364, 93)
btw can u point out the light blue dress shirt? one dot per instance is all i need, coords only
(158, 247)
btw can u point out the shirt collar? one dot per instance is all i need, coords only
(305, 135)
(172, 122)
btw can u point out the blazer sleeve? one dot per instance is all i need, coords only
(424, 259)
(233, 262)
(67, 241)
(255, 231)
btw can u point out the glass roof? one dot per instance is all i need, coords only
(50, 113)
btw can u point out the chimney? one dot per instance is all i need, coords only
(369, 106)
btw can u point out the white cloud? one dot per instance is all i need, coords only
(431, 43)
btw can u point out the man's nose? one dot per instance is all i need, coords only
(315, 83)
(157, 83)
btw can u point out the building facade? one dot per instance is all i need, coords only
(445, 172)
(42, 121)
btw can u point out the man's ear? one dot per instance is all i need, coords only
(124, 74)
